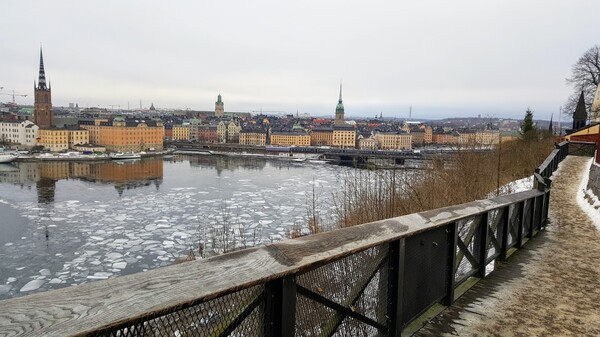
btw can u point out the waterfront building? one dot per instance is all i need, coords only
(194, 124)
(253, 136)
(120, 134)
(42, 113)
(487, 137)
(181, 132)
(321, 136)
(427, 133)
(442, 137)
(222, 132)
(219, 107)
(339, 111)
(168, 132)
(418, 136)
(207, 133)
(288, 138)
(367, 143)
(61, 139)
(21, 133)
(399, 140)
(344, 136)
(233, 132)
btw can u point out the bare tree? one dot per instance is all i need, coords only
(585, 76)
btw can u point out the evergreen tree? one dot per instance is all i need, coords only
(528, 129)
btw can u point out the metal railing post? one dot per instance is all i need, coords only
(395, 287)
(280, 307)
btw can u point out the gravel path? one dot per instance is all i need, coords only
(549, 288)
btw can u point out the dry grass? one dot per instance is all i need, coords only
(468, 175)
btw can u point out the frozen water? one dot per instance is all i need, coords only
(119, 265)
(103, 234)
(5, 288)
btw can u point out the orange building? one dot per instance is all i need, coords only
(127, 135)
(320, 136)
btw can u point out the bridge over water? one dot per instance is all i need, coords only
(399, 276)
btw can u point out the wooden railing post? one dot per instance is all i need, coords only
(280, 307)
(521, 218)
(452, 231)
(532, 217)
(481, 244)
(395, 287)
(504, 230)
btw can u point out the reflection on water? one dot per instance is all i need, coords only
(123, 175)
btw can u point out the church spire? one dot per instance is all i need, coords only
(42, 76)
(339, 111)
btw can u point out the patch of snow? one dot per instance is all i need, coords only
(589, 209)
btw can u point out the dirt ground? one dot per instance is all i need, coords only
(549, 288)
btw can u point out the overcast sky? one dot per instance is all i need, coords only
(443, 58)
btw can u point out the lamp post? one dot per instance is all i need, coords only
(499, 157)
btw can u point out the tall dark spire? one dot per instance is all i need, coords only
(42, 77)
(340, 105)
(580, 115)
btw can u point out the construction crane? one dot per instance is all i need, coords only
(13, 95)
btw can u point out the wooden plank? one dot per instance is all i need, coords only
(82, 309)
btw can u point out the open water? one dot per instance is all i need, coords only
(66, 223)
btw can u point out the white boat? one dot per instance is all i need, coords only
(7, 157)
(125, 155)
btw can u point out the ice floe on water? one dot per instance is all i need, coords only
(101, 235)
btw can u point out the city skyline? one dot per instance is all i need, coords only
(444, 60)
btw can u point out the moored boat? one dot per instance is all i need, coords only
(125, 155)
(7, 157)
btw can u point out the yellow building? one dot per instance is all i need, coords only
(221, 132)
(394, 140)
(126, 135)
(55, 139)
(253, 137)
(181, 132)
(233, 132)
(344, 136)
(321, 137)
(487, 137)
(282, 138)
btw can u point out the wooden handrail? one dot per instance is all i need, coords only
(83, 309)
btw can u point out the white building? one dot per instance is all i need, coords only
(22, 133)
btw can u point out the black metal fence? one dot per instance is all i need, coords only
(367, 280)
